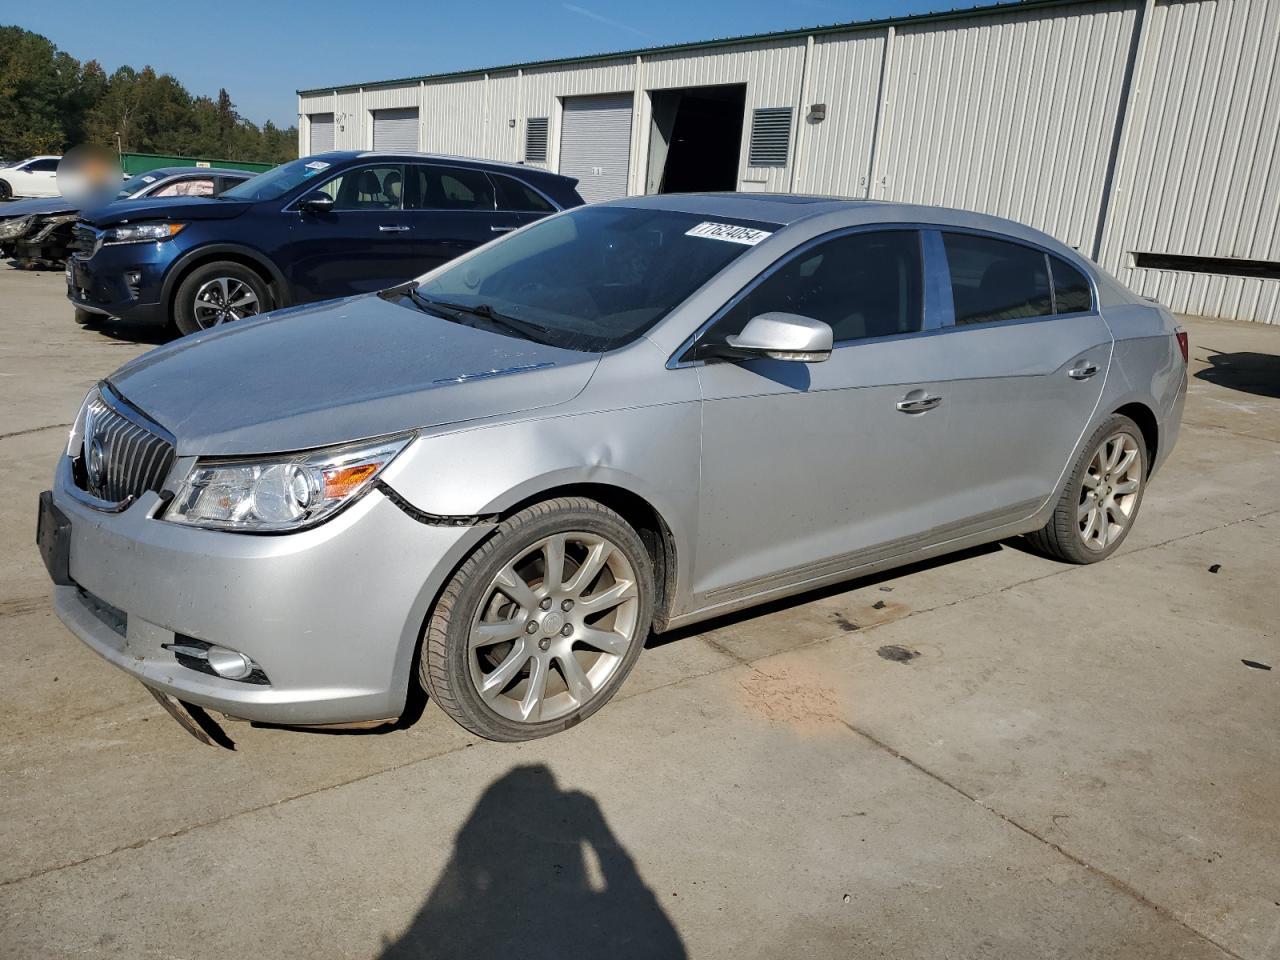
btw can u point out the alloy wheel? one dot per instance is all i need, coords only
(222, 300)
(553, 627)
(1109, 491)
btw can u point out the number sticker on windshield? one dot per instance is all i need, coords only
(728, 231)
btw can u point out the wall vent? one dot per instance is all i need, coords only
(770, 137)
(535, 140)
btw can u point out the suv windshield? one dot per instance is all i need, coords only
(594, 278)
(277, 181)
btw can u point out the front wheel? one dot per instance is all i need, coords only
(6, 191)
(1100, 502)
(541, 625)
(87, 318)
(219, 293)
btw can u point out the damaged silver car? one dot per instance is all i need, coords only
(497, 480)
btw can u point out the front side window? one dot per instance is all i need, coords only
(448, 188)
(364, 188)
(993, 280)
(592, 279)
(862, 285)
(47, 165)
(1071, 293)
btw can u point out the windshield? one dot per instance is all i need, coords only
(277, 181)
(597, 277)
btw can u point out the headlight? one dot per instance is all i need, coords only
(47, 225)
(281, 493)
(141, 232)
(14, 227)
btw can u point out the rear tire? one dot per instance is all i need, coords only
(218, 293)
(513, 651)
(1100, 501)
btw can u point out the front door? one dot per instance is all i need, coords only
(809, 469)
(359, 246)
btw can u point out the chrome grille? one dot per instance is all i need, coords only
(121, 456)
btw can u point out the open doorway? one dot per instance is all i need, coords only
(695, 139)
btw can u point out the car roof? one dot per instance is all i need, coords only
(519, 168)
(784, 209)
(161, 172)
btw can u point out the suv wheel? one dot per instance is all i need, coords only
(219, 293)
(87, 317)
(541, 625)
(1102, 496)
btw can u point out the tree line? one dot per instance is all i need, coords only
(50, 101)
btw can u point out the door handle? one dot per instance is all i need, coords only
(918, 404)
(393, 229)
(502, 229)
(1083, 372)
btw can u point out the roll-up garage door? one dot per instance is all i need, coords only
(321, 132)
(595, 144)
(395, 129)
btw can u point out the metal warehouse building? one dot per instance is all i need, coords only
(1143, 132)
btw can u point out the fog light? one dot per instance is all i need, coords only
(228, 663)
(133, 278)
(213, 659)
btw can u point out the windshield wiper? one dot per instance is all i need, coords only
(530, 331)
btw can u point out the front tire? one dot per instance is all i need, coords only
(540, 626)
(1098, 507)
(6, 191)
(87, 318)
(218, 293)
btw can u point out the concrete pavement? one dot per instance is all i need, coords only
(1074, 762)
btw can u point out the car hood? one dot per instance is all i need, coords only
(340, 371)
(177, 208)
(42, 205)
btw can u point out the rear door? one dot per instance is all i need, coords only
(451, 209)
(1027, 356)
(357, 247)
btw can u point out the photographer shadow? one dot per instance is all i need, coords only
(536, 872)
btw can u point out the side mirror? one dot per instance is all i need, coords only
(780, 336)
(316, 202)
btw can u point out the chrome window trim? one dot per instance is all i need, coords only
(939, 306)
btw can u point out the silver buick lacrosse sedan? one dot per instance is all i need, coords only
(496, 480)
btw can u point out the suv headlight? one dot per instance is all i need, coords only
(141, 232)
(282, 493)
(14, 227)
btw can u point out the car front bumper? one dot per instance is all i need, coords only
(123, 281)
(331, 615)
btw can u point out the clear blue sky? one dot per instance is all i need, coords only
(263, 51)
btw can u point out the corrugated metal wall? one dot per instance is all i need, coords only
(1199, 171)
(1114, 129)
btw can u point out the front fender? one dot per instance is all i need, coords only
(651, 452)
(207, 251)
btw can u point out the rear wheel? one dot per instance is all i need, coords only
(541, 625)
(1101, 499)
(219, 293)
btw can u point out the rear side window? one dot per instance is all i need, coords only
(862, 284)
(449, 188)
(994, 280)
(1071, 292)
(514, 195)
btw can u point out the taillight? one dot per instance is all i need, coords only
(1182, 343)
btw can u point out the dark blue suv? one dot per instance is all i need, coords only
(326, 226)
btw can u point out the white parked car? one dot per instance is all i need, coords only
(33, 177)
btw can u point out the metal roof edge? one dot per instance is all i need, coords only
(817, 31)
